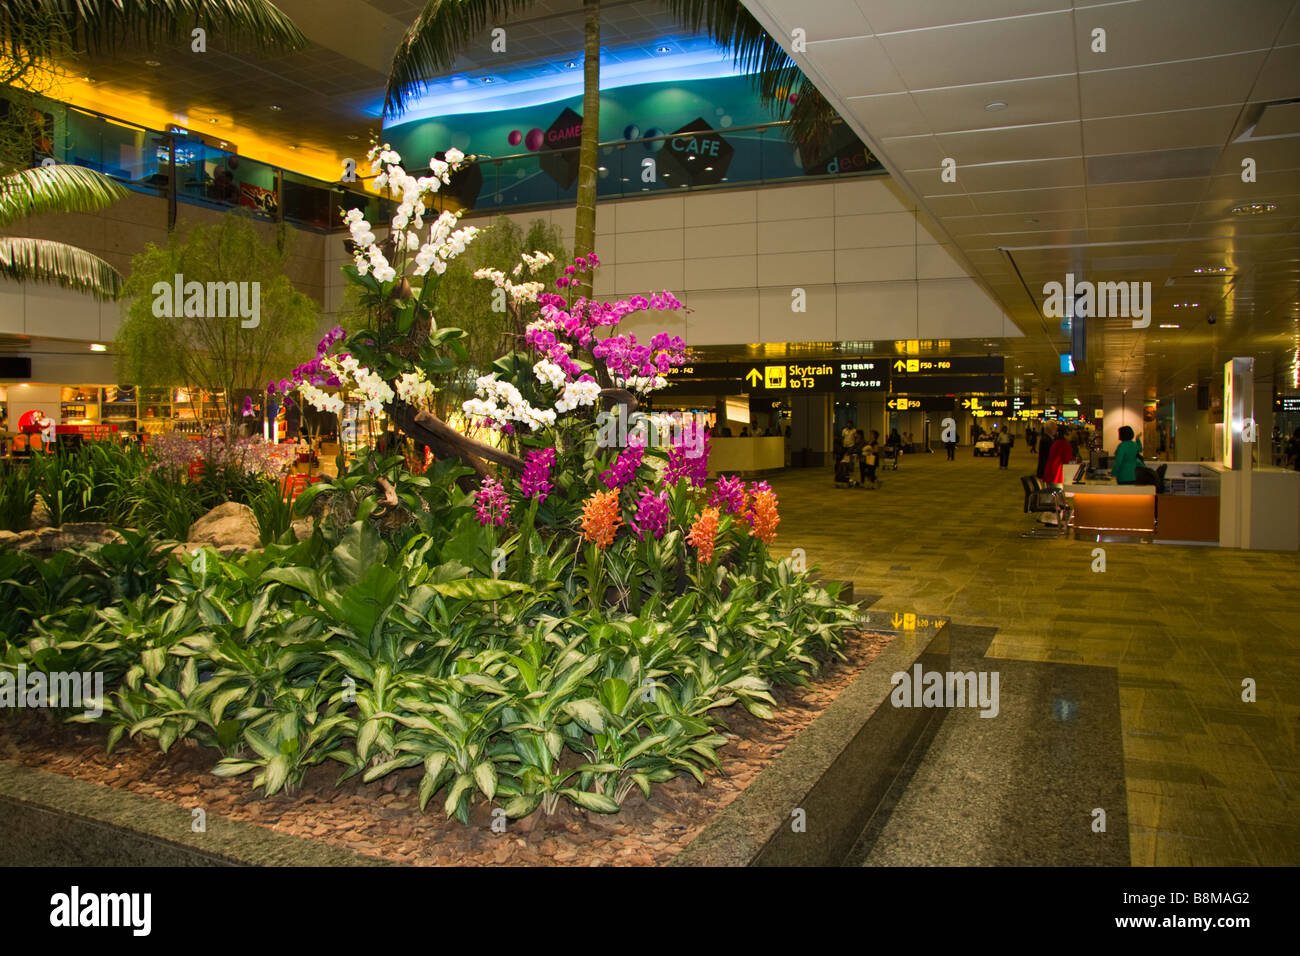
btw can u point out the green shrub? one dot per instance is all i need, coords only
(17, 495)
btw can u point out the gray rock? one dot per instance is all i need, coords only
(227, 526)
(44, 542)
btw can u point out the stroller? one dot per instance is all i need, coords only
(847, 470)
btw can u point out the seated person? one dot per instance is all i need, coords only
(1127, 456)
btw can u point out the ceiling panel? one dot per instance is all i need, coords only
(960, 55)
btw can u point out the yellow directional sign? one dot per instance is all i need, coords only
(909, 622)
(914, 365)
(754, 376)
(774, 376)
(895, 620)
(899, 365)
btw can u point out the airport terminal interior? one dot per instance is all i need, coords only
(419, 469)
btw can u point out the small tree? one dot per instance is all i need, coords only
(213, 352)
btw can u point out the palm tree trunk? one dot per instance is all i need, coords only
(584, 238)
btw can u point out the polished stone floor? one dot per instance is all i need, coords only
(1210, 779)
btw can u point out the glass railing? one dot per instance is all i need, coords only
(206, 174)
(706, 159)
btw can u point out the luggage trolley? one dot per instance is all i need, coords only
(889, 456)
(848, 471)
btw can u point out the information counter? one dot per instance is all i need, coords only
(745, 455)
(1105, 508)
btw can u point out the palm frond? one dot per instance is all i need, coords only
(773, 72)
(432, 43)
(812, 119)
(42, 260)
(58, 188)
(104, 25)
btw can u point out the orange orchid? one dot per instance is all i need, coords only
(703, 533)
(601, 518)
(762, 515)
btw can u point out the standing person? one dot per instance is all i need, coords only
(1059, 454)
(1044, 446)
(950, 443)
(1031, 438)
(847, 433)
(1004, 446)
(870, 458)
(1124, 467)
(1293, 450)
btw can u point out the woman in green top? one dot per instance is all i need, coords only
(1124, 468)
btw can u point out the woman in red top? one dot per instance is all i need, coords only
(1058, 456)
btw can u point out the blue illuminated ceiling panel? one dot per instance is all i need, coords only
(559, 78)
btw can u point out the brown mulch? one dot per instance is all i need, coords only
(383, 819)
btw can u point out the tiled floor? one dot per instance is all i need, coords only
(1211, 779)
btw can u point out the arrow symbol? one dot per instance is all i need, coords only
(899, 365)
(896, 620)
(754, 376)
(965, 403)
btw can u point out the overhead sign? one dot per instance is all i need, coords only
(864, 375)
(704, 370)
(924, 403)
(851, 375)
(1288, 404)
(997, 404)
(953, 365)
(857, 375)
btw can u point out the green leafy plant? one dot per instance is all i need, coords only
(17, 495)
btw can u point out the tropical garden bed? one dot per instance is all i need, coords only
(389, 825)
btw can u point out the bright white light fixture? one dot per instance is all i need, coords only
(99, 348)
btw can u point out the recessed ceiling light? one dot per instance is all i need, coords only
(708, 169)
(995, 106)
(571, 65)
(602, 169)
(99, 348)
(1253, 208)
(275, 107)
(663, 49)
(486, 80)
(353, 136)
(214, 120)
(1203, 269)
(293, 146)
(1170, 325)
(1186, 305)
(152, 63)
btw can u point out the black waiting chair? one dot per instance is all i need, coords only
(1042, 499)
(1160, 478)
